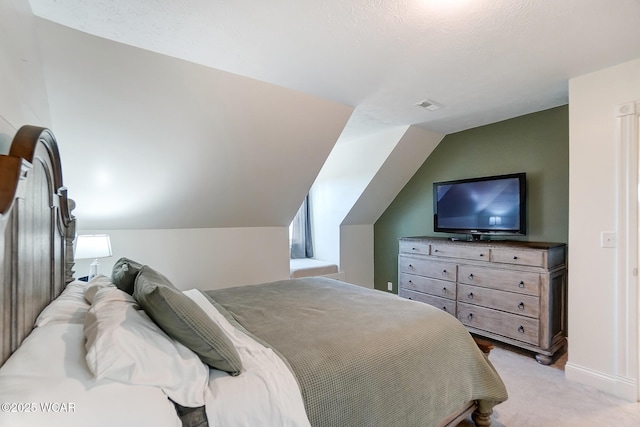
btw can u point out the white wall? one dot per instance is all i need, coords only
(356, 229)
(343, 178)
(23, 96)
(356, 249)
(596, 353)
(210, 258)
(154, 142)
(357, 183)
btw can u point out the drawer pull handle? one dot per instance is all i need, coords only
(470, 276)
(470, 296)
(521, 284)
(515, 257)
(444, 308)
(410, 265)
(470, 316)
(413, 249)
(521, 306)
(481, 254)
(444, 290)
(435, 250)
(521, 329)
(444, 271)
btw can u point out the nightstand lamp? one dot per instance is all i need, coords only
(93, 246)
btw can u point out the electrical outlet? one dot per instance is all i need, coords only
(608, 239)
(389, 286)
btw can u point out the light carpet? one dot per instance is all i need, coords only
(540, 396)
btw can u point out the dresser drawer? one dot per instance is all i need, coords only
(436, 287)
(518, 257)
(479, 253)
(522, 282)
(525, 305)
(423, 267)
(410, 247)
(444, 304)
(508, 325)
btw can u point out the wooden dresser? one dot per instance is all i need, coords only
(510, 291)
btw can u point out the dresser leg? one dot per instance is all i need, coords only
(543, 359)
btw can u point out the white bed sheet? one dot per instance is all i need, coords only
(46, 382)
(265, 393)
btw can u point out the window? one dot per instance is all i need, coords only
(300, 232)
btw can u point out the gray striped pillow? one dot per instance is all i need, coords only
(182, 319)
(124, 274)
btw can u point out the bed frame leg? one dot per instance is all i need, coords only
(482, 419)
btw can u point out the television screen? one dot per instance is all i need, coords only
(487, 205)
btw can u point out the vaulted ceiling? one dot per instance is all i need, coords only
(228, 106)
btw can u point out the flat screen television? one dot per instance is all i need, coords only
(478, 206)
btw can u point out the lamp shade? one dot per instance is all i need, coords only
(92, 246)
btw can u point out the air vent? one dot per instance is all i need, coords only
(430, 105)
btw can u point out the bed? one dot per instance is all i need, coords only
(130, 348)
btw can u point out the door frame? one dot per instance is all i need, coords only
(627, 257)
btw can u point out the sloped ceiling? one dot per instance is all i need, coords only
(272, 85)
(484, 60)
(149, 141)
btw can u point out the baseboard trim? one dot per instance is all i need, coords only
(622, 387)
(627, 389)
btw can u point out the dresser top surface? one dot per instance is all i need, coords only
(489, 243)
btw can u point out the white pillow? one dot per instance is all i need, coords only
(123, 344)
(69, 307)
(95, 284)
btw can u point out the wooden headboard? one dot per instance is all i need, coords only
(36, 233)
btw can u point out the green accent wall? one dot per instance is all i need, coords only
(536, 143)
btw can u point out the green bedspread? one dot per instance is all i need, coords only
(365, 357)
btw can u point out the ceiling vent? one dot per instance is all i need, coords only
(430, 105)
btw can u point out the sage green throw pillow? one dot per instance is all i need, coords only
(182, 319)
(124, 274)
